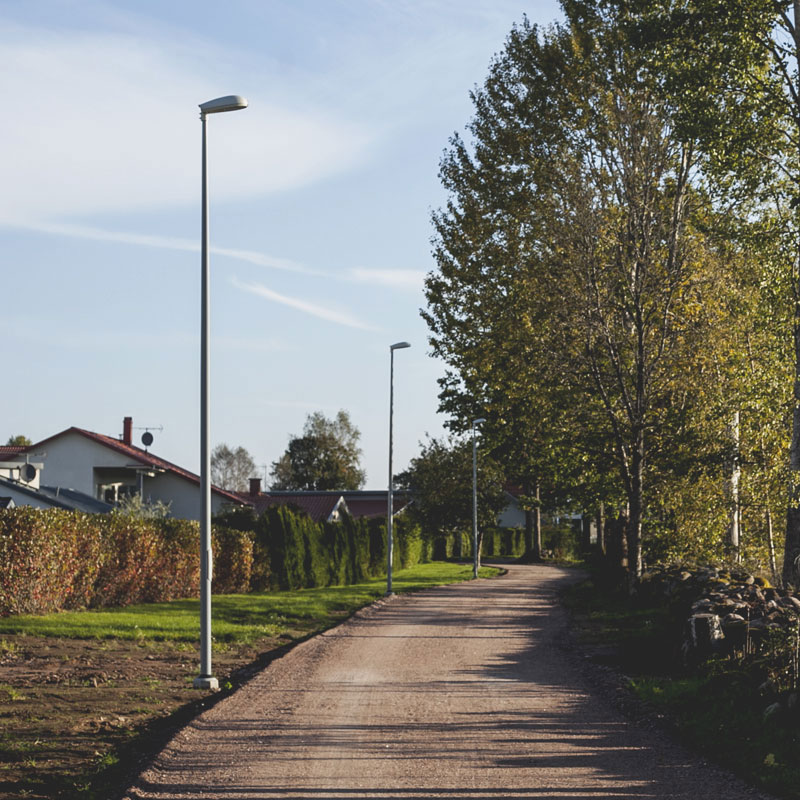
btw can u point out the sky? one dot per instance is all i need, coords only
(321, 194)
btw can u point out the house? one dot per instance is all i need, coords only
(326, 506)
(85, 463)
(320, 506)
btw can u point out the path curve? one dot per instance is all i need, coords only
(456, 692)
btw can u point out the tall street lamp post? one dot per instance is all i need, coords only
(475, 498)
(205, 680)
(389, 540)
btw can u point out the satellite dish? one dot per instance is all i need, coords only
(147, 438)
(27, 472)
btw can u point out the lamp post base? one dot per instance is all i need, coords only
(206, 682)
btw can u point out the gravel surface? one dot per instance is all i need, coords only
(457, 692)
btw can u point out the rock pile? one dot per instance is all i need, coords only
(724, 611)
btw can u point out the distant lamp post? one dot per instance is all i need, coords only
(389, 540)
(205, 680)
(475, 559)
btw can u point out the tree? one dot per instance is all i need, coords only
(231, 468)
(733, 69)
(325, 457)
(440, 481)
(574, 219)
(18, 441)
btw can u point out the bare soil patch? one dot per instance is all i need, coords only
(79, 718)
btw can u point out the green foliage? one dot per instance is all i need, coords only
(324, 457)
(613, 281)
(440, 480)
(18, 441)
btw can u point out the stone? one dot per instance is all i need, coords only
(703, 637)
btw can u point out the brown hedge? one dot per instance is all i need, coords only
(52, 560)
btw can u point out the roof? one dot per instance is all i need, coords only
(67, 499)
(77, 500)
(10, 452)
(140, 455)
(318, 505)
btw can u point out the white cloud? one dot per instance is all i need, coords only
(321, 312)
(405, 279)
(164, 243)
(108, 123)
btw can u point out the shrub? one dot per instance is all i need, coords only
(233, 560)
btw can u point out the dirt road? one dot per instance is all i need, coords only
(456, 692)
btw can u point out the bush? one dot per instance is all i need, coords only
(233, 560)
(54, 559)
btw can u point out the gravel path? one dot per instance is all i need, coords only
(455, 692)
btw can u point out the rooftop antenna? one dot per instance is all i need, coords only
(147, 437)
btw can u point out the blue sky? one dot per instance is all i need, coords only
(321, 194)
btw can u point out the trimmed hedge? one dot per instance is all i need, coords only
(53, 559)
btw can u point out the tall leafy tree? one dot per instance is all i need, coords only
(571, 215)
(734, 69)
(325, 457)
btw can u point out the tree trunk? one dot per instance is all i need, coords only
(791, 552)
(635, 509)
(601, 530)
(771, 542)
(537, 526)
(732, 487)
(586, 532)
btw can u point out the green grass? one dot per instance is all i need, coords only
(235, 618)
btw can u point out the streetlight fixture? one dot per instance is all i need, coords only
(205, 680)
(389, 540)
(475, 422)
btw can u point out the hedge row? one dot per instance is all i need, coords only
(292, 551)
(54, 559)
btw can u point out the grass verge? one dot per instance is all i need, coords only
(719, 709)
(86, 697)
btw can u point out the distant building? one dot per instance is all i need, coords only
(325, 506)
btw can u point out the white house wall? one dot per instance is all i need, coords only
(70, 461)
(182, 495)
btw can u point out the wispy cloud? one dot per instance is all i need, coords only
(321, 312)
(162, 242)
(107, 122)
(405, 279)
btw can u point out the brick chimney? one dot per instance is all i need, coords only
(127, 430)
(255, 487)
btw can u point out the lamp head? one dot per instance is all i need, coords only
(399, 346)
(231, 102)
(478, 421)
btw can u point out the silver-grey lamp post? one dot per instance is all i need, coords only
(475, 498)
(205, 680)
(389, 540)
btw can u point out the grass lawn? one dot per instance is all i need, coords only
(86, 696)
